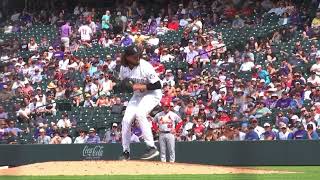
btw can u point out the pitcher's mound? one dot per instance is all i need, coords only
(123, 168)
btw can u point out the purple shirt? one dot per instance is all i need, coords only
(283, 103)
(93, 139)
(58, 55)
(65, 30)
(268, 134)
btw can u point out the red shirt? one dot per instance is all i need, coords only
(224, 118)
(230, 12)
(158, 67)
(166, 99)
(173, 25)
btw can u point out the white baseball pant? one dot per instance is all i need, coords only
(138, 108)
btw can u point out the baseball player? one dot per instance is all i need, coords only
(167, 121)
(146, 87)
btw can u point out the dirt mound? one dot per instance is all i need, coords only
(123, 168)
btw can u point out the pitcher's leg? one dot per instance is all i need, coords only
(127, 120)
(147, 103)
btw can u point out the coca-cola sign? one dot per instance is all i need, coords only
(92, 152)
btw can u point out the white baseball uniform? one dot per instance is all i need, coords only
(141, 103)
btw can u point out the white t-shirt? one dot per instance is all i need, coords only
(183, 22)
(166, 58)
(80, 140)
(64, 123)
(315, 81)
(93, 27)
(33, 47)
(259, 130)
(196, 28)
(316, 68)
(190, 56)
(63, 64)
(246, 66)
(144, 73)
(85, 32)
(153, 41)
(66, 140)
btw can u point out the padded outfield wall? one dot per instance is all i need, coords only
(235, 153)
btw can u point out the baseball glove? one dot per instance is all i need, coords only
(124, 86)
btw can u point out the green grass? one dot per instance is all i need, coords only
(305, 173)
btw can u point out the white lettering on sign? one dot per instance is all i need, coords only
(92, 152)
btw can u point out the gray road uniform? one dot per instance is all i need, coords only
(167, 122)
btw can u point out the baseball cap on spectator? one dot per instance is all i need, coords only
(38, 88)
(50, 48)
(272, 89)
(258, 66)
(220, 109)
(42, 130)
(253, 79)
(295, 117)
(114, 125)
(92, 130)
(282, 125)
(266, 124)
(51, 85)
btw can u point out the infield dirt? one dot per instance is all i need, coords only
(124, 168)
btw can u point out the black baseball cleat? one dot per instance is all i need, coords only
(152, 152)
(125, 156)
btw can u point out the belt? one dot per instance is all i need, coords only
(165, 132)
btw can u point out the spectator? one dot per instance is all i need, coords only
(112, 135)
(3, 114)
(284, 133)
(65, 137)
(300, 133)
(251, 135)
(247, 65)
(106, 21)
(284, 101)
(64, 122)
(311, 134)
(43, 138)
(258, 129)
(85, 34)
(238, 22)
(66, 32)
(268, 133)
(93, 138)
(81, 138)
(32, 45)
(56, 139)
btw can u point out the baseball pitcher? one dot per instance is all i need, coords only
(146, 87)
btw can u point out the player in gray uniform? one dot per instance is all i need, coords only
(167, 121)
(146, 87)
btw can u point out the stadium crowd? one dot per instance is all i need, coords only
(222, 91)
